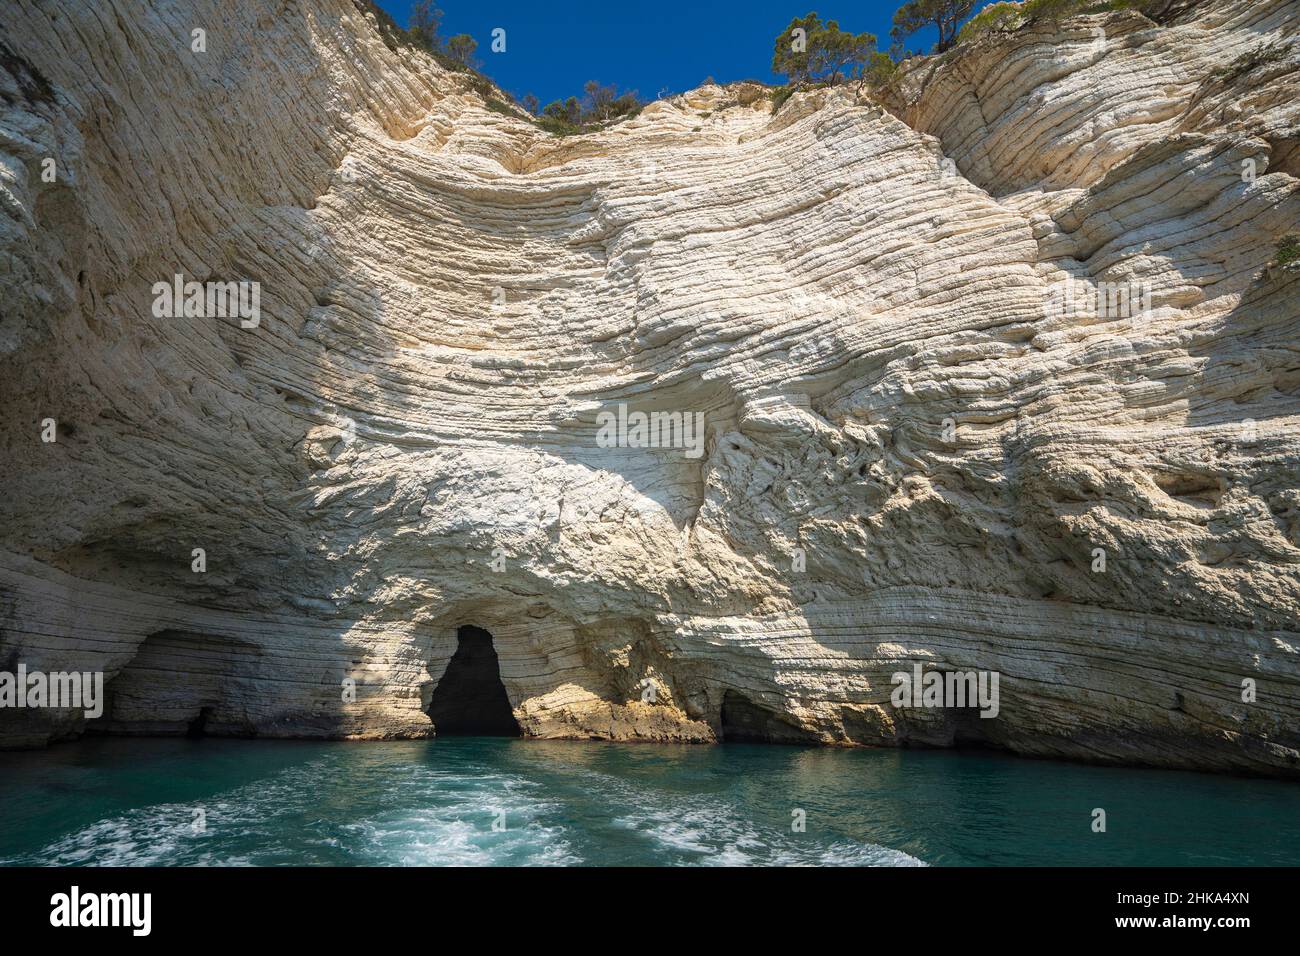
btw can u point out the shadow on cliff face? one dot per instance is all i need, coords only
(184, 684)
(743, 722)
(471, 700)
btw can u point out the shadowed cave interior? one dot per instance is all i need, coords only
(744, 722)
(471, 700)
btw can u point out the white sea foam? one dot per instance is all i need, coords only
(713, 832)
(390, 809)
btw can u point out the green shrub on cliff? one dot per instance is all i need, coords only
(461, 48)
(1262, 54)
(567, 112)
(1288, 250)
(494, 105)
(601, 106)
(996, 17)
(1059, 9)
(422, 27)
(779, 95)
(1005, 16)
(878, 72)
(453, 53)
(809, 50)
(944, 15)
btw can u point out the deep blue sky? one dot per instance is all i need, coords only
(554, 46)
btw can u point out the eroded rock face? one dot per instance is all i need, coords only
(924, 439)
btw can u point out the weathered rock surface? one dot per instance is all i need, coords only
(860, 297)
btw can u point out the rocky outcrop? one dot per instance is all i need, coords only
(994, 373)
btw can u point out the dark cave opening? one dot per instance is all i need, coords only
(471, 700)
(744, 722)
(198, 727)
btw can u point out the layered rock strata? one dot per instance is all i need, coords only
(995, 371)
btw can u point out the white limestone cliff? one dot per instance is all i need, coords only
(863, 297)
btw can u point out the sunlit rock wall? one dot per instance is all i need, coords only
(926, 437)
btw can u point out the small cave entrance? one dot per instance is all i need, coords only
(471, 700)
(184, 684)
(198, 727)
(744, 722)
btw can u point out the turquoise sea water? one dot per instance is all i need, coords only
(123, 801)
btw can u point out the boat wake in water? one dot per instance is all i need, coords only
(485, 801)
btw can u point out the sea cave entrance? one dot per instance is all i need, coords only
(743, 722)
(471, 700)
